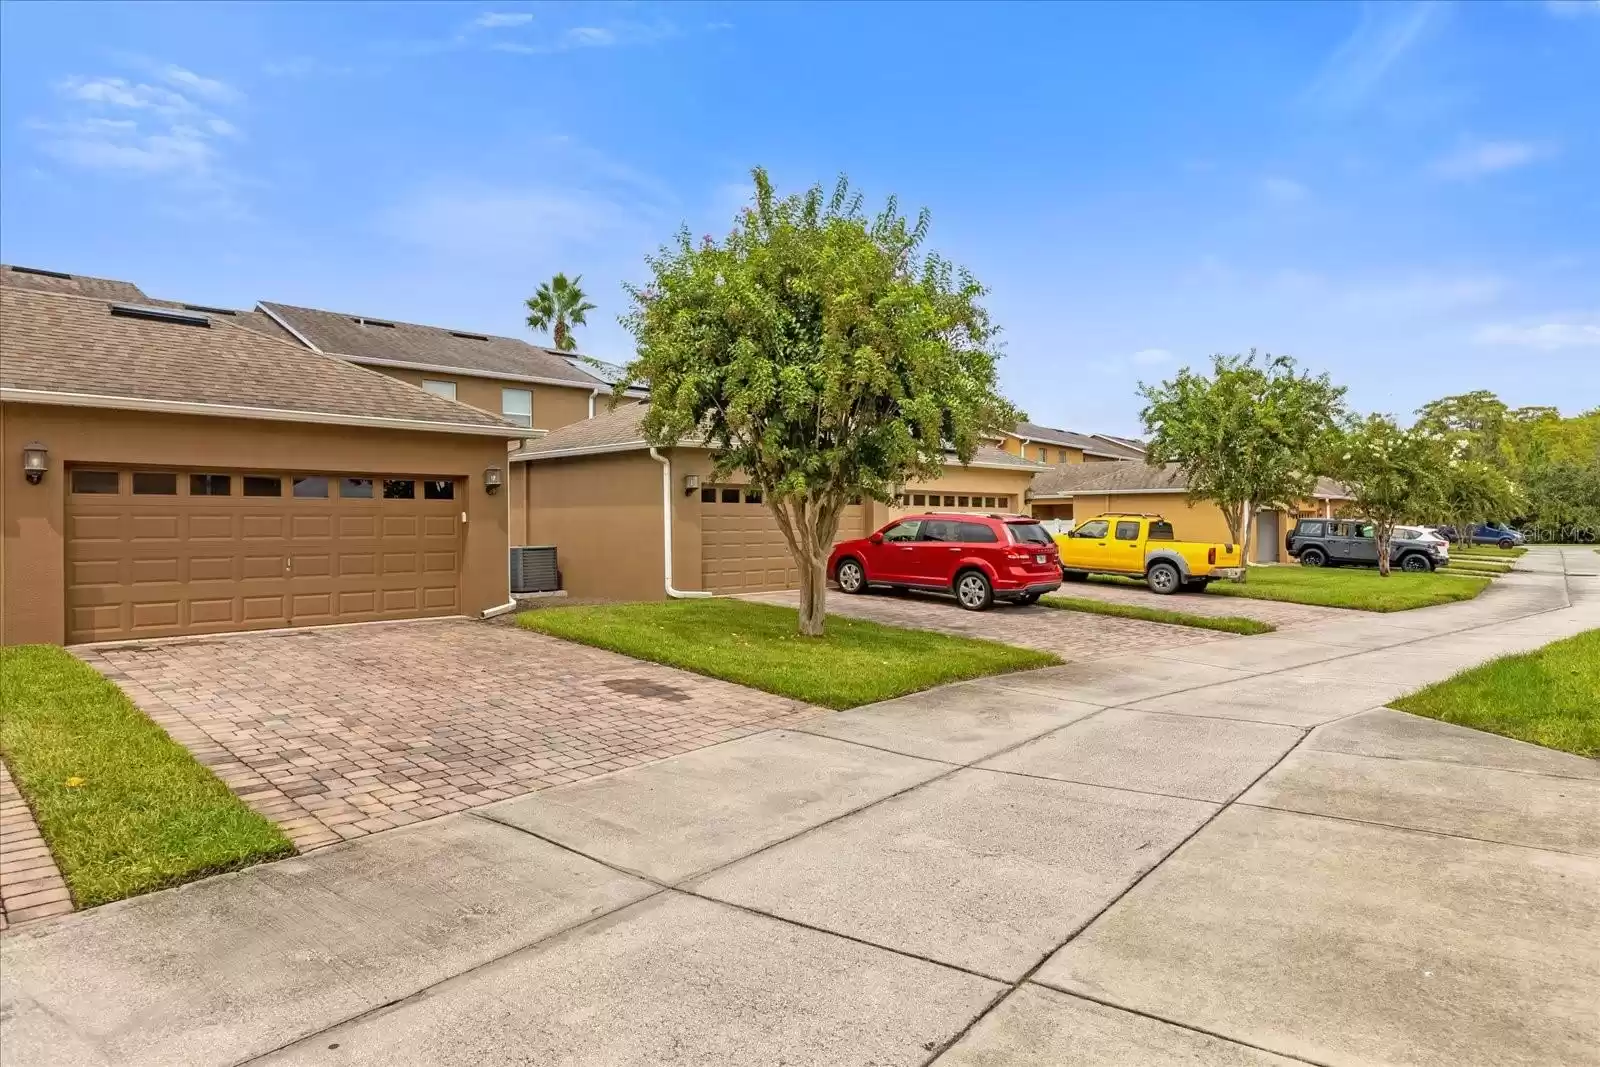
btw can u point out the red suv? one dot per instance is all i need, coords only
(976, 557)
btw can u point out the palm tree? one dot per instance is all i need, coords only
(558, 306)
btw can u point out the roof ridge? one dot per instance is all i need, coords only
(454, 331)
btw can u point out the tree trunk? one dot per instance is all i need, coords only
(1244, 543)
(813, 596)
(1382, 537)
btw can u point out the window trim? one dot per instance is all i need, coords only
(516, 417)
(429, 385)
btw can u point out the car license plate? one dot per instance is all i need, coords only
(1039, 558)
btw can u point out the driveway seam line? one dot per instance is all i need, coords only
(1117, 899)
(424, 990)
(1175, 1023)
(1455, 763)
(1419, 830)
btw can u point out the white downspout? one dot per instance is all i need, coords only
(666, 527)
(592, 394)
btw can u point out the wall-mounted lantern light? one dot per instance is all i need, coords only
(691, 482)
(35, 461)
(493, 478)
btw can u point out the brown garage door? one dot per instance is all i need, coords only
(741, 548)
(158, 553)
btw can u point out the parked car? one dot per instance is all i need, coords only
(1352, 542)
(1487, 533)
(1144, 546)
(1427, 535)
(979, 558)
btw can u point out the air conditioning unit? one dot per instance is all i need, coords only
(533, 569)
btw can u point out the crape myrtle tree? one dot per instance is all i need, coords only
(822, 353)
(1249, 435)
(1394, 473)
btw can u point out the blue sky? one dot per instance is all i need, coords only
(1404, 195)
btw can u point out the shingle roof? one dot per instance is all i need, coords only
(360, 338)
(1134, 476)
(1132, 444)
(618, 430)
(60, 282)
(67, 343)
(1049, 435)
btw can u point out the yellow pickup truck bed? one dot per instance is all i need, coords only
(1144, 546)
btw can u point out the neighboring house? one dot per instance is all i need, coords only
(634, 523)
(1080, 492)
(1045, 444)
(173, 471)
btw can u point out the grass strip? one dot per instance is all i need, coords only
(124, 808)
(1547, 696)
(1232, 624)
(857, 662)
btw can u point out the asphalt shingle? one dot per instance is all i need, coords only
(69, 343)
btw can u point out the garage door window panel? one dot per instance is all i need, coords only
(438, 489)
(210, 485)
(261, 486)
(154, 483)
(96, 483)
(399, 489)
(311, 487)
(355, 488)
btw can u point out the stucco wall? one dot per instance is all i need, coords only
(553, 405)
(603, 514)
(32, 517)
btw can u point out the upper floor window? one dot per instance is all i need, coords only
(439, 387)
(516, 406)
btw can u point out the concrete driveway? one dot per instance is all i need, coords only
(1229, 853)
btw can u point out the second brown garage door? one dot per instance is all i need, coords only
(741, 547)
(158, 553)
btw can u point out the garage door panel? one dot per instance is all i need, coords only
(262, 527)
(261, 567)
(94, 527)
(210, 612)
(152, 527)
(155, 614)
(257, 609)
(212, 527)
(143, 566)
(149, 571)
(311, 527)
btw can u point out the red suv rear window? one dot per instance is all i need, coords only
(1028, 533)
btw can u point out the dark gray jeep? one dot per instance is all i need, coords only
(1340, 542)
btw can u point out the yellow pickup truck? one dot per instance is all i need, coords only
(1144, 546)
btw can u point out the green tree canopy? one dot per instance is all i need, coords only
(558, 306)
(1249, 435)
(820, 352)
(1393, 473)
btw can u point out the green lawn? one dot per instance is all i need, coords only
(1476, 566)
(1232, 624)
(858, 662)
(1546, 696)
(1342, 587)
(123, 807)
(1488, 551)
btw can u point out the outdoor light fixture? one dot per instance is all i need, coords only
(35, 461)
(493, 477)
(691, 482)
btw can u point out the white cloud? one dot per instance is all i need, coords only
(1384, 34)
(492, 20)
(1488, 157)
(1284, 190)
(209, 88)
(113, 125)
(1150, 357)
(1572, 8)
(1582, 332)
(590, 37)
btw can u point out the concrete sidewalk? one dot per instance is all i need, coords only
(1225, 853)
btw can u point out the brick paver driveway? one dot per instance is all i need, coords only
(1072, 635)
(337, 733)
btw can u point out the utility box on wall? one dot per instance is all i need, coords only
(533, 569)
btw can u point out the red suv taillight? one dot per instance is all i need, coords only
(1211, 554)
